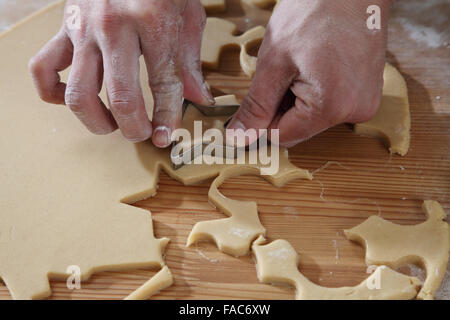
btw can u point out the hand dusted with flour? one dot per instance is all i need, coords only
(318, 66)
(105, 44)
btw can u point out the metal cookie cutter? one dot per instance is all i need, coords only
(197, 149)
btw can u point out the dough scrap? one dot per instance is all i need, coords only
(235, 234)
(277, 262)
(427, 244)
(160, 281)
(213, 6)
(219, 35)
(392, 122)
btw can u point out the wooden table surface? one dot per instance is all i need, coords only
(355, 177)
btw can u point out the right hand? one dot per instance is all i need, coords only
(319, 65)
(111, 38)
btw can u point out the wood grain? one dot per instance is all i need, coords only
(361, 180)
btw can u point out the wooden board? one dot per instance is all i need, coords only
(360, 180)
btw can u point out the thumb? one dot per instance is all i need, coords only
(258, 109)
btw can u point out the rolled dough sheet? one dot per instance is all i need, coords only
(61, 186)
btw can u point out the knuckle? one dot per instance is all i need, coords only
(74, 99)
(76, 27)
(174, 6)
(166, 85)
(36, 65)
(122, 102)
(368, 100)
(99, 129)
(151, 10)
(107, 21)
(155, 11)
(364, 114)
(136, 137)
(48, 96)
(165, 111)
(355, 106)
(144, 13)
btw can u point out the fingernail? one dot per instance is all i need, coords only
(161, 137)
